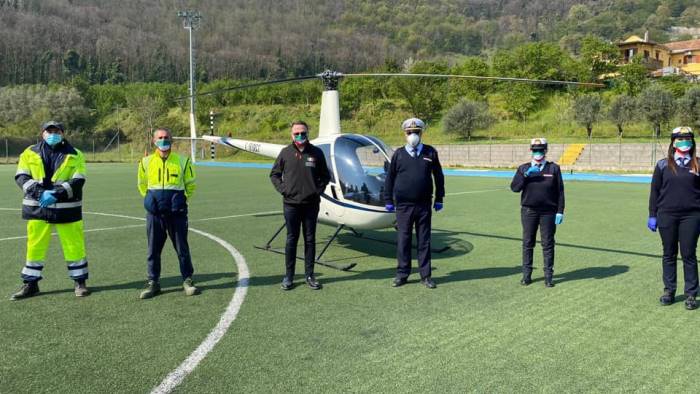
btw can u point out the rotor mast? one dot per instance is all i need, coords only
(330, 104)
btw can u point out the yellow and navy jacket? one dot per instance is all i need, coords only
(60, 168)
(166, 184)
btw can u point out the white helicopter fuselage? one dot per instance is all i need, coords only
(354, 196)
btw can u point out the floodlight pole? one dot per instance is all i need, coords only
(191, 20)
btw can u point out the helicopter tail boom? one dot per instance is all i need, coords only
(259, 148)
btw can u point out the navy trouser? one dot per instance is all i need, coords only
(531, 220)
(297, 216)
(158, 229)
(409, 215)
(683, 229)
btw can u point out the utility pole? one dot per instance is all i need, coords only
(191, 20)
(212, 147)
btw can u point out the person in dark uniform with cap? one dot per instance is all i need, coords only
(674, 208)
(408, 191)
(542, 205)
(300, 174)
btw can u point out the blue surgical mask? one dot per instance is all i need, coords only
(300, 138)
(163, 145)
(683, 145)
(52, 138)
(538, 155)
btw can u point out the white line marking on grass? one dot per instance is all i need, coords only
(176, 377)
(474, 191)
(85, 231)
(237, 216)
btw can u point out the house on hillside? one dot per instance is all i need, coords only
(679, 57)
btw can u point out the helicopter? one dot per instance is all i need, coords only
(357, 163)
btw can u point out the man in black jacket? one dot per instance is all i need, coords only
(300, 175)
(542, 205)
(409, 184)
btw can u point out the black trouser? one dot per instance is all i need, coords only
(158, 229)
(683, 228)
(531, 219)
(407, 216)
(296, 216)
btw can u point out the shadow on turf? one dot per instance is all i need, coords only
(168, 284)
(568, 245)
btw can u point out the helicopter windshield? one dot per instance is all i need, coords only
(361, 169)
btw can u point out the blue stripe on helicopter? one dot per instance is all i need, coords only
(591, 177)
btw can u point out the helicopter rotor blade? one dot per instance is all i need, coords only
(250, 85)
(478, 77)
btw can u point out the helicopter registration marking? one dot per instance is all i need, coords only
(252, 147)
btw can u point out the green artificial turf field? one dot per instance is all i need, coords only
(600, 329)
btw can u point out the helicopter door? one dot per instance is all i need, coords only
(361, 171)
(330, 208)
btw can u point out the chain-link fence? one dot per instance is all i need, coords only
(594, 154)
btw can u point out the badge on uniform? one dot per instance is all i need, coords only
(428, 159)
(548, 175)
(310, 162)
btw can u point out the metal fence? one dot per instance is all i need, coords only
(598, 154)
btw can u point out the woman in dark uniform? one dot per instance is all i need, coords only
(542, 205)
(674, 207)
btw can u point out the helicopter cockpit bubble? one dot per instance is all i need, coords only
(361, 165)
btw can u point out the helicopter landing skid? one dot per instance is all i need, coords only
(342, 267)
(361, 235)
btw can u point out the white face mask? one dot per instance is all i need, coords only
(413, 139)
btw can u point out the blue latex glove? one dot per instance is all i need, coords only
(47, 198)
(389, 207)
(558, 218)
(534, 170)
(437, 206)
(651, 223)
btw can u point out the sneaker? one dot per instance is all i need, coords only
(81, 289)
(398, 282)
(28, 289)
(691, 303)
(287, 284)
(548, 282)
(189, 287)
(313, 283)
(667, 298)
(152, 289)
(525, 281)
(428, 282)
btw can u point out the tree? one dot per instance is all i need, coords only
(689, 107)
(586, 109)
(622, 110)
(465, 117)
(425, 96)
(633, 77)
(600, 57)
(657, 105)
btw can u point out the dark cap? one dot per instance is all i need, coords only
(52, 123)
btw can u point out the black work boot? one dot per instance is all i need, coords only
(313, 283)
(667, 298)
(28, 289)
(81, 289)
(548, 281)
(526, 280)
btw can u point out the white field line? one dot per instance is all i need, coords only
(475, 191)
(176, 377)
(85, 231)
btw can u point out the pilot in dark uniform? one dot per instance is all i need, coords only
(409, 191)
(674, 207)
(541, 189)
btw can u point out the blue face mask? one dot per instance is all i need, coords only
(683, 145)
(163, 145)
(52, 138)
(538, 155)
